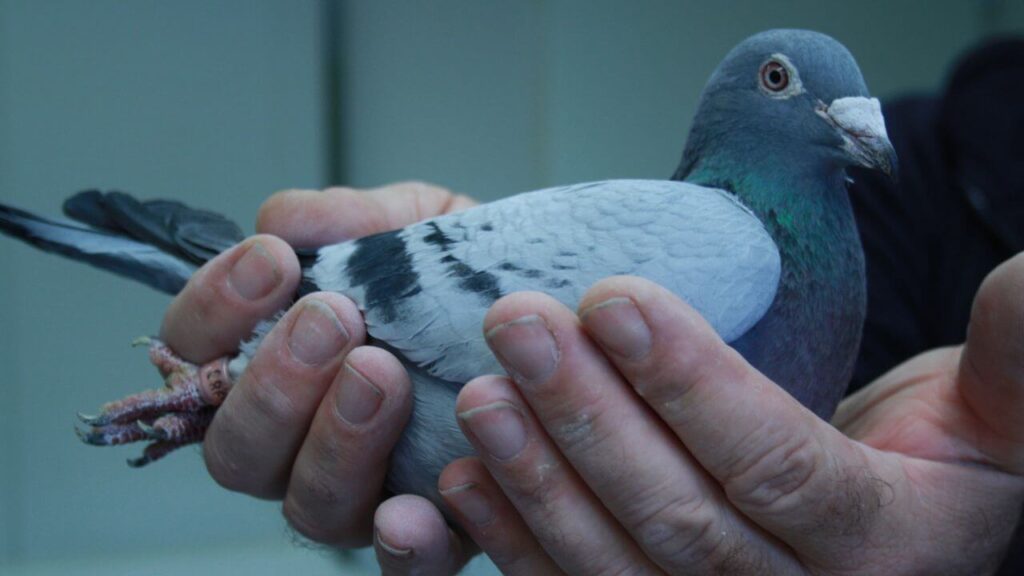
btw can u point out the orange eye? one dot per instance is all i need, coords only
(774, 76)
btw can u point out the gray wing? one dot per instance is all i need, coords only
(425, 289)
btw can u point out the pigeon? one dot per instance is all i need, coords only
(754, 230)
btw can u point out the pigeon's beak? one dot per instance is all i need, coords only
(860, 124)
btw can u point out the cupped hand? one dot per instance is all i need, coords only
(315, 414)
(638, 442)
(631, 439)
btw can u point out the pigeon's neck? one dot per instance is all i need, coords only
(809, 337)
(805, 209)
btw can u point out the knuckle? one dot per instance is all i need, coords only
(270, 405)
(278, 203)
(593, 558)
(583, 427)
(689, 530)
(538, 486)
(428, 199)
(537, 492)
(327, 447)
(589, 433)
(541, 494)
(315, 486)
(428, 206)
(343, 195)
(773, 476)
(674, 375)
(338, 451)
(681, 530)
(224, 470)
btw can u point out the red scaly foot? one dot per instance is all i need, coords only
(174, 416)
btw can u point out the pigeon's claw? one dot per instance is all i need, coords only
(111, 434)
(170, 432)
(173, 416)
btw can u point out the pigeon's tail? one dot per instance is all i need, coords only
(159, 243)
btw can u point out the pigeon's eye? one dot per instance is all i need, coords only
(774, 76)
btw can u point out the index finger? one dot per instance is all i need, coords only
(783, 467)
(309, 218)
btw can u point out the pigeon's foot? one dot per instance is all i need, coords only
(174, 416)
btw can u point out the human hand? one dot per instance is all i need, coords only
(302, 424)
(632, 440)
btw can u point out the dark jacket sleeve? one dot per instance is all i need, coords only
(955, 214)
(898, 223)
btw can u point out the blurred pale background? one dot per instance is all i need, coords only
(221, 103)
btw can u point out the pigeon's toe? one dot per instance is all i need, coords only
(171, 417)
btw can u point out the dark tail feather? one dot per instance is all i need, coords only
(194, 235)
(158, 243)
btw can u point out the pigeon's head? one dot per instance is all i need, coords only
(788, 98)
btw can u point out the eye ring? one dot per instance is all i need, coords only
(774, 76)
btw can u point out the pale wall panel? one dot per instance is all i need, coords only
(624, 77)
(444, 91)
(493, 98)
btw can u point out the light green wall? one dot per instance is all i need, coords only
(216, 103)
(221, 103)
(496, 97)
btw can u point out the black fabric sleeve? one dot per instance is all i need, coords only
(898, 226)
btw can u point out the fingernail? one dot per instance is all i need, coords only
(357, 399)
(619, 326)
(525, 347)
(468, 501)
(255, 273)
(499, 428)
(400, 553)
(317, 335)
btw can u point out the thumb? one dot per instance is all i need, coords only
(991, 376)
